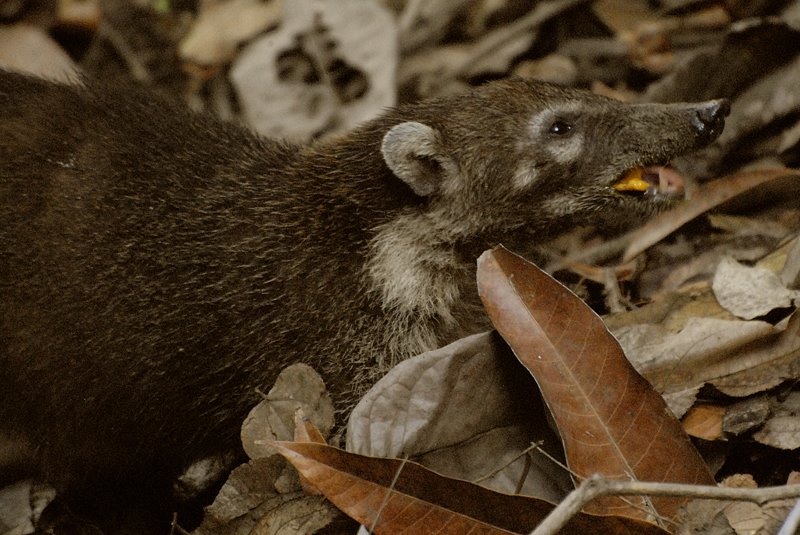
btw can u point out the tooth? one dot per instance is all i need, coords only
(632, 180)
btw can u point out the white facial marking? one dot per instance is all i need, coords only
(564, 149)
(524, 176)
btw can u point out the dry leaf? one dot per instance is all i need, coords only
(221, 27)
(782, 429)
(610, 419)
(738, 357)
(749, 292)
(297, 387)
(250, 504)
(330, 66)
(395, 496)
(744, 517)
(28, 49)
(704, 421)
(745, 415)
(790, 276)
(450, 407)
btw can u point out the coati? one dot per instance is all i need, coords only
(157, 266)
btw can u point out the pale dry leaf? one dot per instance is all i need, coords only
(790, 275)
(29, 49)
(247, 487)
(781, 432)
(739, 358)
(330, 66)
(479, 458)
(706, 517)
(764, 364)
(749, 292)
(775, 513)
(681, 400)
(444, 399)
(678, 364)
(16, 515)
(744, 517)
(674, 358)
(782, 429)
(297, 387)
(221, 27)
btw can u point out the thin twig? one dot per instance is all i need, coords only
(388, 493)
(138, 69)
(533, 446)
(596, 486)
(792, 522)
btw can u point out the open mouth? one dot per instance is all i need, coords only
(656, 181)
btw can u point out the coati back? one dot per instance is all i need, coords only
(157, 266)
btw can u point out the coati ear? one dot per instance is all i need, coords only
(410, 150)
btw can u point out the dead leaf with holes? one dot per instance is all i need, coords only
(330, 66)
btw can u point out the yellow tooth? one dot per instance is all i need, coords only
(632, 181)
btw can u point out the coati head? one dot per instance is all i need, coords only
(518, 153)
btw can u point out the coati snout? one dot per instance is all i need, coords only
(158, 266)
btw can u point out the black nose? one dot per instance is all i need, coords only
(709, 119)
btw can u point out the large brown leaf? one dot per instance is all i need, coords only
(394, 496)
(610, 419)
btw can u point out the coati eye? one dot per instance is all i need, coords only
(560, 128)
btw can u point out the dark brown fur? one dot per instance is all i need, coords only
(157, 266)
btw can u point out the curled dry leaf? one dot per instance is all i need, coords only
(297, 387)
(740, 358)
(466, 410)
(749, 292)
(396, 496)
(610, 419)
(782, 429)
(252, 502)
(704, 421)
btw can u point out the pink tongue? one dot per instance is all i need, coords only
(665, 180)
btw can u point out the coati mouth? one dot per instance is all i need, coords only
(656, 182)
